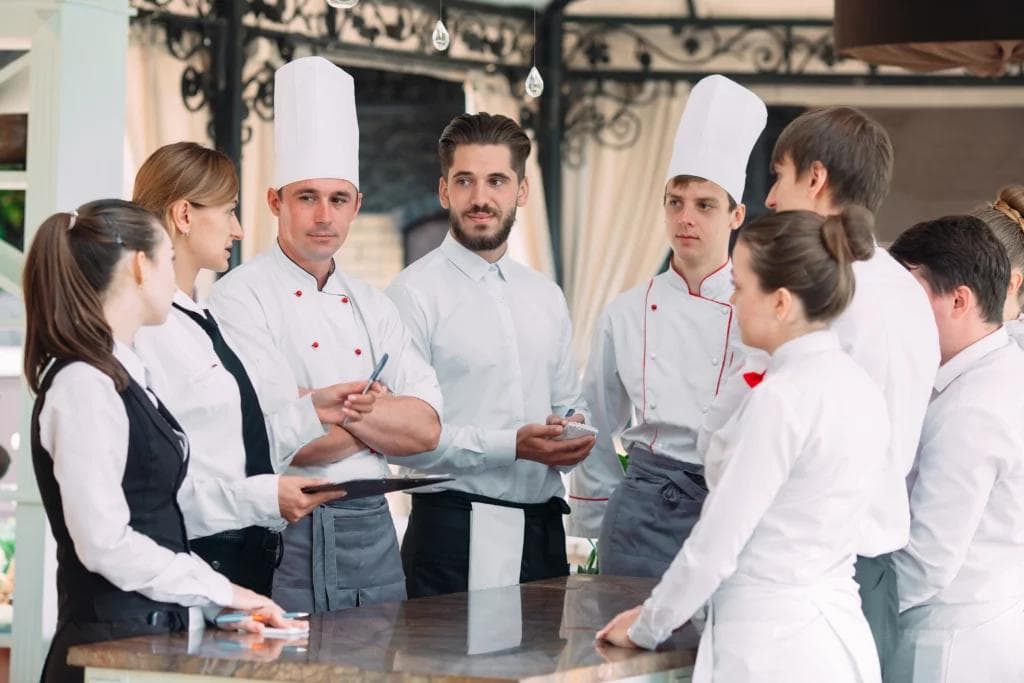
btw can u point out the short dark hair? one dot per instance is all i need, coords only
(854, 149)
(484, 129)
(955, 251)
(810, 255)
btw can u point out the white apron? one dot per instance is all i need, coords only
(788, 634)
(961, 643)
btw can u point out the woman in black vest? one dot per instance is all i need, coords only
(243, 416)
(108, 457)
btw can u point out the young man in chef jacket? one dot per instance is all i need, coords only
(662, 350)
(824, 160)
(331, 327)
(499, 336)
(961, 577)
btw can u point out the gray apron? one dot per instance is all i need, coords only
(344, 554)
(649, 515)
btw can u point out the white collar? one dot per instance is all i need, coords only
(961, 362)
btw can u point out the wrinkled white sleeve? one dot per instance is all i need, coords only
(565, 385)
(406, 373)
(462, 448)
(755, 467)
(84, 427)
(211, 505)
(593, 481)
(955, 476)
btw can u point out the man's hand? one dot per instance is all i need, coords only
(294, 504)
(616, 631)
(536, 442)
(344, 402)
(562, 421)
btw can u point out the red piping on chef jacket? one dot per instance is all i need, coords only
(728, 324)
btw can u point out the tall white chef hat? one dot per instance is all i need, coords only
(316, 134)
(720, 125)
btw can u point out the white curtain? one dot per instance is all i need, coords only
(530, 241)
(612, 223)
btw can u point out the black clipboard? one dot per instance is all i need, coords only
(364, 488)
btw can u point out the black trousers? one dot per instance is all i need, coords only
(92, 630)
(247, 556)
(435, 550)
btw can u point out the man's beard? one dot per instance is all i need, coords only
(481, 242)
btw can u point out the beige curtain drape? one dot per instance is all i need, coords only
(530, 242)
(612, 225)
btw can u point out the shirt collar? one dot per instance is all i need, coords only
(470, 262)
(299, 274)
(132, 363)
(717, 285)
(186, 302)
(961, 362)
(804, 345)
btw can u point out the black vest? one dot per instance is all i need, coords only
(153, 474)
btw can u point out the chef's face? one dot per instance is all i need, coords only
(156, 278)
(481, 193)
(313, 217)
(698, 220)
(214, 229)
(792, 191)
(756, 310)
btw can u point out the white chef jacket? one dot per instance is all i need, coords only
(203, 396)
(83, 425)
(659, 356)
(788, 478)
(967, 502)
(327, 336)
(500, 339)
(889, 329)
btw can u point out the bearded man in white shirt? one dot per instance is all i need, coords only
(662, 350)
(961, 577)
(824, 160)
(330, 327)
(498, 335)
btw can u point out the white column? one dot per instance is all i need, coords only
(75, 154)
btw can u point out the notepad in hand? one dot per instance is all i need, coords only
(364, 488)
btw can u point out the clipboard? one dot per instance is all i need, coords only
(364, 488)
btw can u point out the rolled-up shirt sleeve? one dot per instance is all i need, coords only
(84, 427)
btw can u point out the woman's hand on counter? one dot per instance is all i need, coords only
(616, 631)
(263, 611)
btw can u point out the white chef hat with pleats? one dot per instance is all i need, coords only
(316, 134)
(717, 132)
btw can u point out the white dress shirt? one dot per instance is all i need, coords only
(326, 336)
(83, 425)
(788, 477)
(1015, 328)
(499, 337)
(659, 356)
(187, 375)
(967, 502)
(889, 329)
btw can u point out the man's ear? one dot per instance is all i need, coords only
(963, 301)
(274, 200)
(816, 180)
(442, 193)
(739, 214)
(524, 192)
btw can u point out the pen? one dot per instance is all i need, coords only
(235, 617)
(570, 412)
(373, 378)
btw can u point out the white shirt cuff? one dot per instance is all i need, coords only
(500, 447)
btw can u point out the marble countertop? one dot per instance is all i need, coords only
(539, 631)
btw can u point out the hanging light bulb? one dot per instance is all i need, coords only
(534, 83)
(343, 4)
(440, 37)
